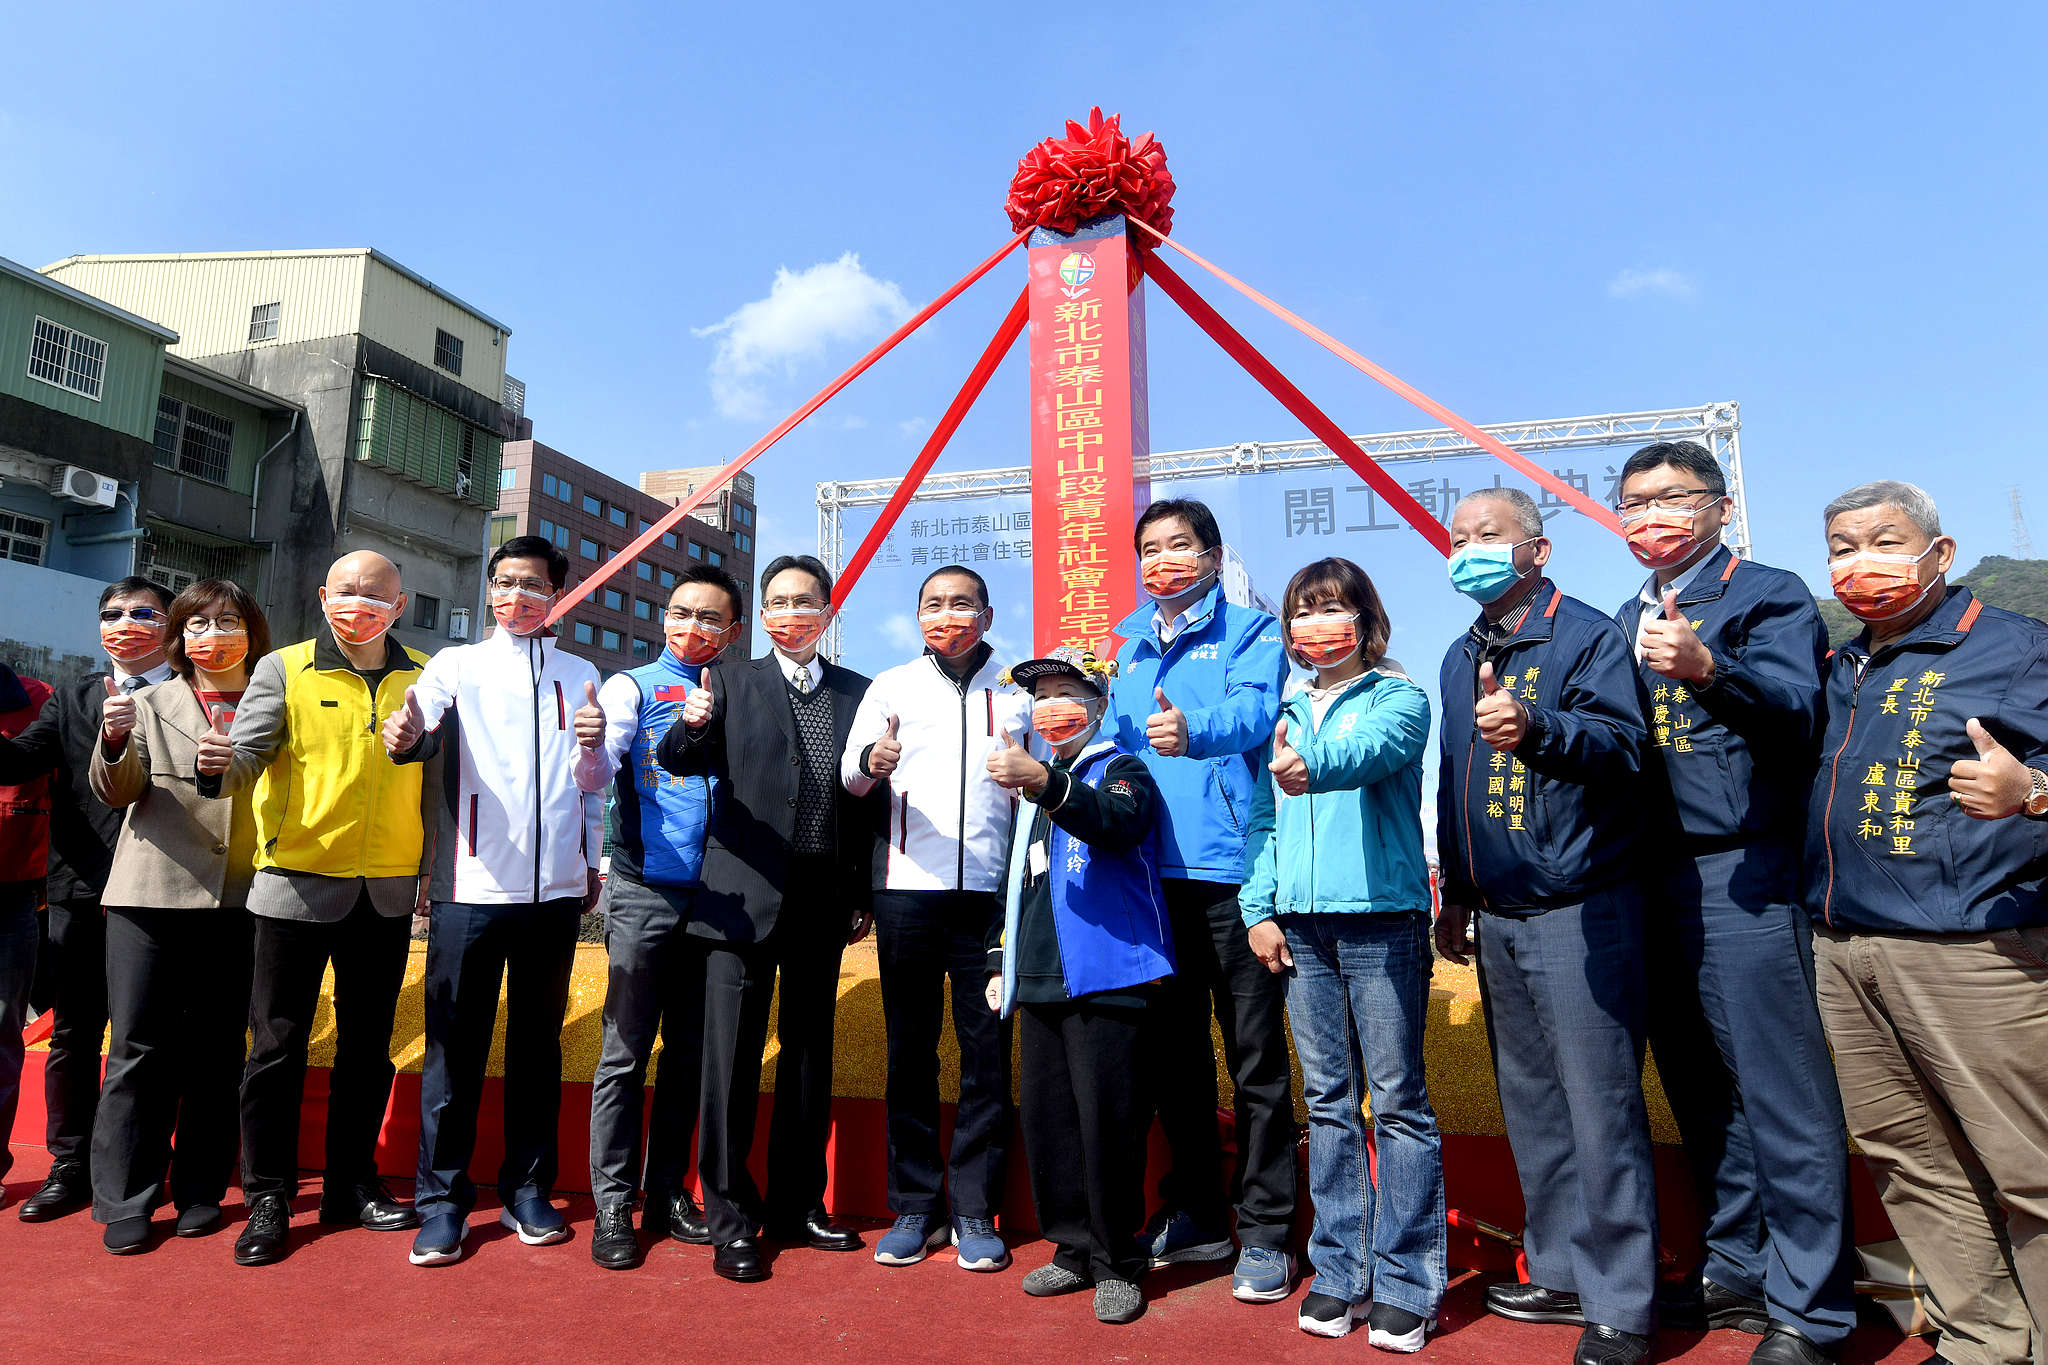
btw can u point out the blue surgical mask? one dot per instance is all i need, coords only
(1484, 572)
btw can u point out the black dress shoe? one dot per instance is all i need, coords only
(685, 1220)
(817, 1231)
(126, 1236)
(198, 1220)
(740, 1260)
(66, 1189)
(264, 1238)
(1533, 1303)
(1784, 1345)
(613, 1243)
(1736, 1312)
(1603, 1345)
(369, 1204)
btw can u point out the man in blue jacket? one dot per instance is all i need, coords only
(1540, 805)
(1926, 866)
(1731, 653)
(1196, 694)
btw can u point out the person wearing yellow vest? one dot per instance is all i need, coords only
(341, 857)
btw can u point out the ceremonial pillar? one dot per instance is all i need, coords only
(1089, 433)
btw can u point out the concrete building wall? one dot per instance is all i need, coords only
(404, 315)
(207, 297)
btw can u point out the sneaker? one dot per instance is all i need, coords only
(1326, 1315)
(1118, 1301)
(1397, 1329)
(439, 1240)
(1049, 1280)
(1263, 1275)
(535, 1220)
(1173, 1236)
(910, 1240)
(980, 1245)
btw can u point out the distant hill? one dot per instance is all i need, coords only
(2016, 584)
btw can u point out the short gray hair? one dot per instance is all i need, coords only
(1519, 503)
(1911, 500)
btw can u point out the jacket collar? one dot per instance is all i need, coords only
(1709, 578)
(328, 658)
(1141, 625)
(177, 706)
(1944, 627)
(1538, 621)
(982, 654)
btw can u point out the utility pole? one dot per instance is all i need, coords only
(2022, 544)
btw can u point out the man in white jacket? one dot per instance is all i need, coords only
(926, 729)
(515, 865)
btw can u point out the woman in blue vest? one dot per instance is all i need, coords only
(1083, 943)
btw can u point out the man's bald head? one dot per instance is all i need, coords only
(364, 573)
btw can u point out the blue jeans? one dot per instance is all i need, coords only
(1358, 998)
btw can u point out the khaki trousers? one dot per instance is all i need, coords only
(1941, 1052)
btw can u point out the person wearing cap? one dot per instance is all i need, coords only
(1082, 945)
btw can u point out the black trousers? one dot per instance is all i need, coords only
(728, 987)
(74, 966)
(924, 938)
(178, 990)
(369, 952)
(1217, 971)
(808, 942)
(1085, 1118)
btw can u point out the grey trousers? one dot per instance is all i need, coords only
(645, 983)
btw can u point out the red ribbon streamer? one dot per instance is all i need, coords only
(39, 1028)
(1598, 512)
(1291, 398)
(788, 424)
(977, 379)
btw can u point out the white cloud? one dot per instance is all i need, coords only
(901, 631)
(804, 312)
(853, 423)
(914, 426)
(1663, 280)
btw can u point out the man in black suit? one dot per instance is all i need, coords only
(785, 887)
(133, 613)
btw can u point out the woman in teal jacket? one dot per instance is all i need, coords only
(1336, 896)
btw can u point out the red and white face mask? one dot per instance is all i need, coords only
(1877, 587)
(217, 651)
(1058, 719)
(519, 611)
(1320, 641)
(951, 633)
(127, 640)
(359, 620)
(695, 643)
(1175, 573)
(794, 629)
(1662, 536)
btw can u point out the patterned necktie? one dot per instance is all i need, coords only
(133, 682)
(803, 681)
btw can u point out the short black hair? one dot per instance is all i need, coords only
(1196, 514)
(717, 578)
(1694, 458)
(809, 564)
(1343, 580)
(979, 582)
(215, 594)
(533, 547)
(121, 587)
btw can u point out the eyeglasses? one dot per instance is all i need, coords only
(1670, 500)
(794, 604)
(226, 621)
(144, 616)
(532, 585)
(683, 616)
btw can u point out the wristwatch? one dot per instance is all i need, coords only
(2037, 795)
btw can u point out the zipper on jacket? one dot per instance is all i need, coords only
(1827, 819)
(538, 656)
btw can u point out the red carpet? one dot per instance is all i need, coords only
(349, 1295)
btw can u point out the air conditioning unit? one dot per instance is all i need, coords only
(79, 485)
(458, 624)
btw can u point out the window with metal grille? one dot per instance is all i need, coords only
(263, 320)
(426, 612)
(23, 539)
(504, 528)
(448, 351)
(70, 360)
(515, 396)
(192, 440)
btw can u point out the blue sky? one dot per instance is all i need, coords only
(1831, 214)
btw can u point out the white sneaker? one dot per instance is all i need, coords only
(1326, 1315)
(1397, 1329)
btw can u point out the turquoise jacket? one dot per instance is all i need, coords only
(1353, 843)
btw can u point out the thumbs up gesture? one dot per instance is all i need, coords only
(1502, 720)
(1671, 648)
(215, 752)
(1013, 767)
(697, 706)
(117, 715)
(589, 719)
(1167, 728)
(405, 726)
(1992, 785)
(1289, 769)
(885, 753)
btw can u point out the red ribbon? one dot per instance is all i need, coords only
(1597, 511)
(39, 1028)
(788, 424)
(1291, 398)
(977, 379)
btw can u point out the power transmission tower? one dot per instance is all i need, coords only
(2022, 544)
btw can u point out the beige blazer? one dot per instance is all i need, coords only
(173, 849)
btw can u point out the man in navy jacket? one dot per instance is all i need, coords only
(1731, 652)
(1540, 809)
(1926, 860)
(1196, 693)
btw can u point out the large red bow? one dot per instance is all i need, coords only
(1063, 182)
